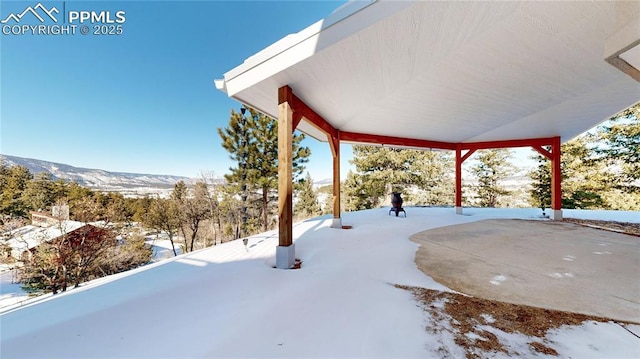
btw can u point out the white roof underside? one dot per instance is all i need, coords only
(451, 71)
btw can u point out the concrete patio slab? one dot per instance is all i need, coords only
(546, 264)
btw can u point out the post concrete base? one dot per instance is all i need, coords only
(336, 223)
(458, 210)
(556, 214)
(285, 256)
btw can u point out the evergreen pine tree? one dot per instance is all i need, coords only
(38, 194)
(493, 166)
(541, 183)
(357, 195)
(437, 184)
(13, 181)
(307, 204)
(621, 147)
(584, 176)
(383, 170)
(585, 179)
(252, 141)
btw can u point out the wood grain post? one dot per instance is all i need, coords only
(285, 169)
(334, 142)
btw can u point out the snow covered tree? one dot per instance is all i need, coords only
(252, 141)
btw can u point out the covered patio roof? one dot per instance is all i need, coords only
(453, 71)
(460, 76)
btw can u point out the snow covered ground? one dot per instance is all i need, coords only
(11, 293)
(227, 301)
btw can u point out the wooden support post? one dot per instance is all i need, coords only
(285, 253)
(459, 159)
(458, 179)
(556, 180)
(334, 142)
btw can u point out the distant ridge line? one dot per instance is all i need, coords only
(95, 178)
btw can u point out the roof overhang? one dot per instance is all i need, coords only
(453, 72)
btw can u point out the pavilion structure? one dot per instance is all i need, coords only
(459, 76)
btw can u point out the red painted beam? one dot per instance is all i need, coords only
(543, 152)
(297, 117)
(302, 110)
(313, 118)
(334, 143)
(395, 141)
(467, 155)
(532, 142)
(285, 94)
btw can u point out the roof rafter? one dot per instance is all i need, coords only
(530, 142)
(394, 141)
(302, 110)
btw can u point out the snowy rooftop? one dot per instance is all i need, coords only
(226, 301)
(28, 237)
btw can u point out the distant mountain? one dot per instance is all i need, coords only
(132, 183)
(323, 182)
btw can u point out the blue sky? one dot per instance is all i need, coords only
(143, 101)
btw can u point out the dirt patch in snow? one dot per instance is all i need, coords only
(473, 321)
(613, 226)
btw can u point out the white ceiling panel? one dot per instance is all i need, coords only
(451, 71)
